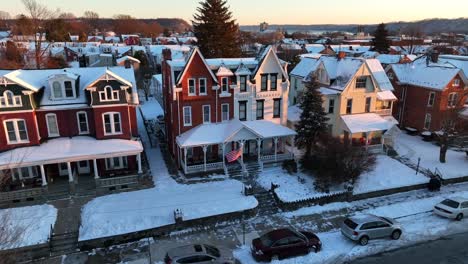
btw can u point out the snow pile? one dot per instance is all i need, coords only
(388, 173)
(290, 188)
(151, 109)
(413, 147)
(31, 224)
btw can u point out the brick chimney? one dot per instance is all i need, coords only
(166, 54)
(434, 56)
(341, 55)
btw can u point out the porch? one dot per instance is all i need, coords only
(261, 141)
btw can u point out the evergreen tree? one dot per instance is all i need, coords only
(217, 32)
(380, 42)
(313, 120)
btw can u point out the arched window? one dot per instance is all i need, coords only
(57, 90)
(108, 94)
(10, 100)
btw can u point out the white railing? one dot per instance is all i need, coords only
(117, 181)
(279, 157)
(375, 148)
(383, 112)
(201, 167)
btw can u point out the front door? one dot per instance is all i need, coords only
(83, 167)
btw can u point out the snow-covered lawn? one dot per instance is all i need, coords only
(388, 173)
(290, 188)
(151, 108)
(413, 147)
(419, 224)
(30, 224)
(139, 210)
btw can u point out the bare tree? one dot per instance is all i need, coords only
(38, 14)
(413, 33)
(92, 19)
(4, 15)
(67, 15)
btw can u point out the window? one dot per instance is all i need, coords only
(16, 131)
(224, 112)
(242, 110)
(456, 82)
(52, 126)
(57, 90)
(68, 89)
(430, 101)
(361, 82)
(331, 106)
(264, 83)
(427, 121)
(24, 173)
(191, 87)
(187, 111)
(452, 99)
(10, 100)
(273, 82)
(202, 86)
(276, 108)
(349, 106)
(82, 119)
(368, 104)
(108, 94)
(206, 114)
(112, 123)
(62, 90)
(224, 85)
(260, 106)
(116, 163)
(390, 75)
(243, 83)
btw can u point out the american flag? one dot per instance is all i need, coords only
(234, 155)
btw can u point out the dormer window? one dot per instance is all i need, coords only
(108, 94)
(63, 90)
(10, 100)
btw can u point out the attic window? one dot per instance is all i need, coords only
(10, 100)
(361, 82)
(108, 94)
(63, 90)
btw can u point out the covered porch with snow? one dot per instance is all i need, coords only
(64, 165)
(370, 131)
(211, 147)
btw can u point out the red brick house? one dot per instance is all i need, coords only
(68, 125)
(216, 106)
(429, 93)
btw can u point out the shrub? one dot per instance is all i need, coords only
(290, 166)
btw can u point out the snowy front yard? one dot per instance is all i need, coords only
(139, 210)
(413, 147)
(30, 225)
(151, 109)
(419, 225)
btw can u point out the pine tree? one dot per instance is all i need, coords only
(217, 32)
(380, 42)
(313, 119)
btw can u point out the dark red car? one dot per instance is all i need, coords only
(283, 243)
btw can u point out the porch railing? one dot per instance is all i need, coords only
(116, 181)
(22, 194)
(375, 148)
(201, 167)
(279, 157)
(383, 112)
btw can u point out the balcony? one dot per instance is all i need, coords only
(384, 112)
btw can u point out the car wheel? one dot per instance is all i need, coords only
(396, 234)
(459, 217)
(363, 240)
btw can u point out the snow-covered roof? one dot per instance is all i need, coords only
(328, 91)
(130, 58)
(379, 75)
(367, 122)
(419, 74)
(341, 70)
(66, 149)
(223, 71)
(217, 133)
(386, 96)
(305, 66)
(389, 58)
(458, 61)
(314, 48)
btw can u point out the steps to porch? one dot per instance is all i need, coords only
(65, 243)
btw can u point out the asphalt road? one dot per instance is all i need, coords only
(448, 250)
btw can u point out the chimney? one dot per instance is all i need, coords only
(167, 54)
(350, 47)
(435, 56)
(341, 55)
(127, 64)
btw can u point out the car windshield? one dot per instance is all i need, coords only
(450, 203)
(350, 223)
(212, 251)
(266, 240)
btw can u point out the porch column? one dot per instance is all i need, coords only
(276, 147)
(185, 160)
(140, 171)
(205, 148)
(259, 150)
(367, 140)
(224, 150)
(70, 174)
(242, 149)
(44, 180)
(96, 172)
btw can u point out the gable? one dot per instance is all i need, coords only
(269, 64)
(196, 63)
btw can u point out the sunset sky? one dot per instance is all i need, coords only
(252, 12)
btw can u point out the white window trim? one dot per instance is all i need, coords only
(183, 116)
(4, 100)
(33, 173)
(199, 85)
(123, 164)
(17, 134)
(61, 82)
(456, 82)
(222, 116)
(209, 114)
(425, 121)
(78, 122)
(114, 95)
(222, 85)
(429, 99)
(56, 124)
(194, 86)
(112, 121)
(452, 100)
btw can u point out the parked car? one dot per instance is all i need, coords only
(283, 243)
(200, 254)
(455, 208)
(362, 228)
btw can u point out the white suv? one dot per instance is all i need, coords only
(454, 208)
